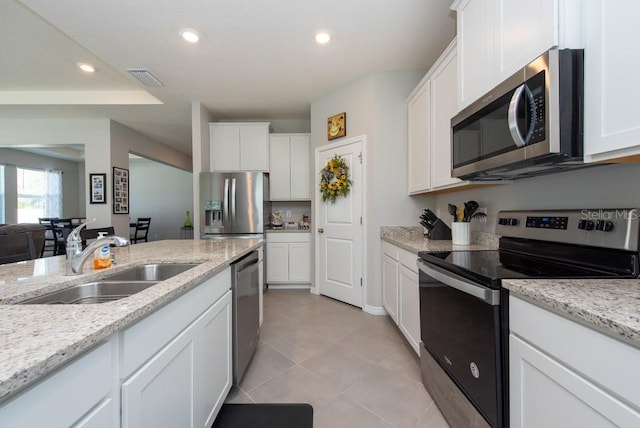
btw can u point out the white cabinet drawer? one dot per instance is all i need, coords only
(408, 259)
(390, 250)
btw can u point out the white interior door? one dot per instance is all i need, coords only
(340, 256)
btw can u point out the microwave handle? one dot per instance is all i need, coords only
(514, 104)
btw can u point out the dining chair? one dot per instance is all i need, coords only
(49, 239)
(23, 247)
(141, 230)
(77, 221)
(61, 227)
(87, 234)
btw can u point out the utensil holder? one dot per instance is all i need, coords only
(461, 233)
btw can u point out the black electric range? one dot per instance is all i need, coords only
(464, 309)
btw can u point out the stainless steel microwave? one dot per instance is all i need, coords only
(528, 125)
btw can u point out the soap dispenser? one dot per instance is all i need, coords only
(102, 256)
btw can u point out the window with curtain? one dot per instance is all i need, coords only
(2, 217)
(39, 194)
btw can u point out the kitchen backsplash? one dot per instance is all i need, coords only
(598, 187)
(295, 208)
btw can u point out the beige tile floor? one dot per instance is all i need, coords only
(355, 369)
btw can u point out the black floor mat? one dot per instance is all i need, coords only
(265, 416)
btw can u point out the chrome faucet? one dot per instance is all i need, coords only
(76, 256)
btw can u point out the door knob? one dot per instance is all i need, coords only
(320, 230)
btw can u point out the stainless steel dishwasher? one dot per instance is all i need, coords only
(246, 324)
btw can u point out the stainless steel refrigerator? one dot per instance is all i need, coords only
(233, 203)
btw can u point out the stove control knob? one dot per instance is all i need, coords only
(608, 226)
(582, 224)
(513, 221)
(589, 225)
(600, 225)
(503, 221)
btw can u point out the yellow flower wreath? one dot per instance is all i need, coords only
(334, 180)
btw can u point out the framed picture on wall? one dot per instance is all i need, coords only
(98, 188)
(337, 126)
(120, 190)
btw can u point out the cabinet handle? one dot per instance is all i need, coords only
(320, 230)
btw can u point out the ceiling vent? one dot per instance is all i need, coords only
(143, 75)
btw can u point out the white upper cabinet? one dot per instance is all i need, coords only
(418, 133)
(430, 109)
(239, 146)
(524, 31)
(289, 172)
(443, 108)
(498, 37)
(612, 122)
(475, 48)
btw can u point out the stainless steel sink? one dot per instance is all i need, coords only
(92, 292)
(151, 272)
(115, 286)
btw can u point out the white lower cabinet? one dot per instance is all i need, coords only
(79, 394)
(176, 363)
(390, 267)
(288, 258)
(563, 374)
(186, 382)
(161, 393)
(172, 368)
(409, 319)
(400, 291)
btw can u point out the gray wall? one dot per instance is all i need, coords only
(375, 107)
(606, 186)
(72, 197)
(161, 192)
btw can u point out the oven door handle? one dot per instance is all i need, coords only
(487, 295)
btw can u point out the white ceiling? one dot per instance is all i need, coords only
(256, 59)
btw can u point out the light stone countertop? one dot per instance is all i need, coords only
(611, 306)
(37, 339)
(411, 238)
(283, 230)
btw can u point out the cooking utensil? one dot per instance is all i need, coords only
(469, 209)
(453, 210)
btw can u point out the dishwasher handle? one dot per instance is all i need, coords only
(245, 262)
(487, 295)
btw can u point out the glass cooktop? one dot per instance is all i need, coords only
(490, 266)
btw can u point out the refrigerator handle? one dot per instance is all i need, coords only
(233, 202)
(225, 204)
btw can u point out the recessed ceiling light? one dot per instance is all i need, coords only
(323, 38)
(86, 67)
(190, 35)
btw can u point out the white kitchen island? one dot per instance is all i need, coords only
(92, 364)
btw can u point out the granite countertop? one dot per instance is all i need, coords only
(611, 306)
(411, 238)
(37, 339)
(283, 230)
